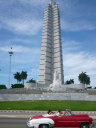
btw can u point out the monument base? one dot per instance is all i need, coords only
(57, 86)
(68, 87)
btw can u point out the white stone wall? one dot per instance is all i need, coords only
(64, 87)
(29, 85)
(75, 86)
(48, 96)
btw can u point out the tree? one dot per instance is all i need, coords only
(84, 78)
(67, 82)
(31, 81)
(17, 76)
(23, 76)
(71, 81)
(2, 86)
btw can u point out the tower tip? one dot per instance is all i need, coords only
(52, 2)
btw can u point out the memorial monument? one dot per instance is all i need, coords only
(51, 60)
(51, 47)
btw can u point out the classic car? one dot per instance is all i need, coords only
(67, 120)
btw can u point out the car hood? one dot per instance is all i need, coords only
(40, 120)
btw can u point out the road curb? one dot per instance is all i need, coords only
(31, 111)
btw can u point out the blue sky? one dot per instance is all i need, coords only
(21, 28)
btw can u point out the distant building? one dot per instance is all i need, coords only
(51, 47)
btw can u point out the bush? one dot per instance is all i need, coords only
(31, 81)
(89, 87)
(17, 86)
(3, 86)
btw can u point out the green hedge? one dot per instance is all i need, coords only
(17, 86)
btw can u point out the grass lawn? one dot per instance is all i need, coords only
(46, 105)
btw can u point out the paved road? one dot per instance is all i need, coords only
(18, 119)
(12, 123)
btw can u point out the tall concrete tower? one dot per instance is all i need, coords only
(51, 47)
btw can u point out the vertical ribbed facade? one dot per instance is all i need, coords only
(51, 48)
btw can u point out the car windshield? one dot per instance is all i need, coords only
(47, 115)
(68, 112)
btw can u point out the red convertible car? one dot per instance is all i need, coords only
(66, 120)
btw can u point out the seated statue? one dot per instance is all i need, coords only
(56, 81)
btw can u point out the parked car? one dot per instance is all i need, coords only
(67, 120)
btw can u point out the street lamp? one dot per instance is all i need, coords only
(10, 54)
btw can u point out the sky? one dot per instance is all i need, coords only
(21, 28)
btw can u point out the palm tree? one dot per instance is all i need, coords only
(84, 78)
(17, 76)
(23, 76)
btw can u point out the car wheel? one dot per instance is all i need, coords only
(44, 126)
(84, 125)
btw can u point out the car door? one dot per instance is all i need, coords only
(66, 121)
(61, 121)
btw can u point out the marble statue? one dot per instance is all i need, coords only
(56, 82)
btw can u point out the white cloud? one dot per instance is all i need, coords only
(76, 16)
(77, 26)
(28, 25)
(77, 62)
(19, 49)
(25, 20)
(4, 49)
(70, 45)
(22, 54)
(22, 26)
(23, 49)
(34, 2)
(26, 55)
(80, 61)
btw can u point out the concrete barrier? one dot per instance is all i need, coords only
(48, 96)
